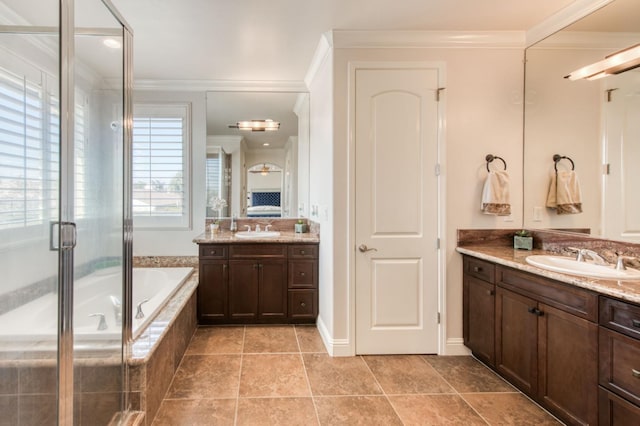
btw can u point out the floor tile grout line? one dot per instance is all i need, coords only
(382, 389)
(313, 400)
(244, 335)
(424, 358)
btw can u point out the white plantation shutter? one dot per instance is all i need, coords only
(160, 166)
(29, 153)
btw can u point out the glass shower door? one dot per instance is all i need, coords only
(29, 211)
(97, 181)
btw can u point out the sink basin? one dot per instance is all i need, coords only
(568, 265)
(260, 234)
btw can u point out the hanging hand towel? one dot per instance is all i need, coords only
(564, 193)
(495, 195)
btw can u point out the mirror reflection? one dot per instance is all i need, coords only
(257, 156)
(589, 118)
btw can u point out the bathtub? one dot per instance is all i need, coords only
(96, 293)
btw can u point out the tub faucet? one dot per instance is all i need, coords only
(139, 313)
(102, 325)
(117, 309)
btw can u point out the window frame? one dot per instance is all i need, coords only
(169, 110)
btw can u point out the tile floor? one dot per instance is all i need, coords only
(283, 376)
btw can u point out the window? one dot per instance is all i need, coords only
(29, 151)
(160, 165)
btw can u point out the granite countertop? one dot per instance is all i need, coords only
(508, 256)
(286, 237)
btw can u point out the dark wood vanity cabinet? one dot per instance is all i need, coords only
(258, 283)
(478, 299)
(545, 337)
(619, 358)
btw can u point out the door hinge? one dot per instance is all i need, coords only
(606, 169)
(608, 92)
(438, 90)
(438, 243)
(438, 317)
(437, 169)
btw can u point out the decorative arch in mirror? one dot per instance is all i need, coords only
(285, 151)
(593, 122)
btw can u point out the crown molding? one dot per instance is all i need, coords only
(322, 52)
(565, 17)
(427, 39)
(220, 85)
(588, 40)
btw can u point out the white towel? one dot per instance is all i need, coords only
(564, 193)
(495, 195)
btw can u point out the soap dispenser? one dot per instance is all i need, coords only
(234, 225)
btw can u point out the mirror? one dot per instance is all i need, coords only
(593, 122)
(257, 172)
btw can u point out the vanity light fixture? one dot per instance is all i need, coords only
(257, 125)
(266, 144)
(615, 63)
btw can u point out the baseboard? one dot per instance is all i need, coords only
(335, 347)
(455, 346)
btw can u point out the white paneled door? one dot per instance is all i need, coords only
(396, 212)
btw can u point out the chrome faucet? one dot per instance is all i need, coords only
(117, 309)
(582, 252)
(139, 313)
(102, 325)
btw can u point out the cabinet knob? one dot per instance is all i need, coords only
(490, 292)
(635, 373)
(213, 252)
(477, 269)
(302, 252)
(535, 311)
(304, 304)
(302, 274)
(636, 323)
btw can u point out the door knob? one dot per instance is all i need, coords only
(363, 248)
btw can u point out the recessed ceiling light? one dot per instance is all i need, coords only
(112, 43)
(265, 144)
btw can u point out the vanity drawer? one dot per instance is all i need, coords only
(620, 364)
(302, 304)
(620, 316)
(479, 268)
(210, 251)
(303, 251)
(302, 274)
(573, 300)
(256, 251)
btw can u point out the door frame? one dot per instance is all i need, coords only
(441, 193)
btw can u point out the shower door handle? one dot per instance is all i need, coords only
(67, 235)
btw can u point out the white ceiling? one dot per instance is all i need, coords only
(258, 40)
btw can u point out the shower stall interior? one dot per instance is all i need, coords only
(65, 117)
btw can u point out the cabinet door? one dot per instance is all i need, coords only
(567, 356)
(272, 290)
(479, 318)
(243, 289)
(616, 411)
(212, 291)
(516, 339)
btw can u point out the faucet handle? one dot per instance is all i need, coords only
(580, 252)
(102, 325)
(620, 266)
(248, 228)
(257, 227)
(266, 228)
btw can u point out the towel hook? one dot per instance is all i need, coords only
(490, 157)
(558, 157)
